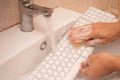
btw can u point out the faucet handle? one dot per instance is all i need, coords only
(30, 8)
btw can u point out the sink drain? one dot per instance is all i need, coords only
(43, 45)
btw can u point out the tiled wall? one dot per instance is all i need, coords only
(9, 14)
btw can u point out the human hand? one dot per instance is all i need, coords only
(98, 65)
(96, 33)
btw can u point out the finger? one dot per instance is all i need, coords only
(84, 64)
(93, 42)
(73, 38)
(88, 34)
(79, 36)
(102, 41)
(70, 34)
(74, 30)
(96, 42)
(71, 31)
(82, 70)
(93, 35)
(86, 71)
(84, 33)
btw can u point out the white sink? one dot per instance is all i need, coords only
(20, 52)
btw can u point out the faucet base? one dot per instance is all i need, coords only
(27, 23)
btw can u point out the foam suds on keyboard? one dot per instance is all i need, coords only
(77, 45)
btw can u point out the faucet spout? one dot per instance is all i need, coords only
(27, 10)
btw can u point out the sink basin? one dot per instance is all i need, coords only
(21, 52)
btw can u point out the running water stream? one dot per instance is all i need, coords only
(51, 34)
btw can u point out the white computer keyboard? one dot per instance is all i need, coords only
(65, 63)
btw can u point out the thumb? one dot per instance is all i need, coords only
(96, 41)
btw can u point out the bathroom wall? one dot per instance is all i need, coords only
(9, 14)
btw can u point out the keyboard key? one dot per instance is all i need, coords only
(39, 75)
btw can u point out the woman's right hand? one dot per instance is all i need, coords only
(96, 33)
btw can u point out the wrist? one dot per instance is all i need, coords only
(111, 64)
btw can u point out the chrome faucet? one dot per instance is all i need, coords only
(27, 10)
